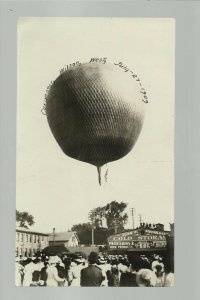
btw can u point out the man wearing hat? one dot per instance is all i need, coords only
(92, 275)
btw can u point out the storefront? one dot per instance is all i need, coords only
(138, 240)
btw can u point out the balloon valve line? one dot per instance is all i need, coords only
(99, 170)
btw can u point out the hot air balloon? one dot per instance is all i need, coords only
(95, 113)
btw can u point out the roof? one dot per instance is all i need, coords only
(63, 236)
(24, 230)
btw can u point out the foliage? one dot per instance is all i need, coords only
(113, 212)
(24, 219)
(115, 218)
(84, 232)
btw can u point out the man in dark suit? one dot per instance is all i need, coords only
(92, 275)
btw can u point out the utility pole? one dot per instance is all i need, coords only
(92, 233)
(115, 223)
(91, 218)
(54, 236)
(132, 214)
(140, 216)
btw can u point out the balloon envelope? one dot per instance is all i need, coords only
(95, 112)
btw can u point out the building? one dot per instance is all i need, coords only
(68, 238)
(28, 242)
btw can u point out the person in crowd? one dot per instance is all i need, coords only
(38, 266)
(122, 266)
(43, 274)
(28, 272)
(145, 262)
(74, 274)
(92, 275)
(128, 278)
(169, 280)
(104, 268)
(157, 261)
(67, 264)
(160, 276)
(169, 272)
(18, 272)
(61, 272)
(52, 274)
(146, 278)
(113, 276)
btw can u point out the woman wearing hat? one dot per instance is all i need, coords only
(52, 274)
(28, 272)
(75, 272)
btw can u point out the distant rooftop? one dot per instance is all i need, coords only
(62, 236)
(30, 231)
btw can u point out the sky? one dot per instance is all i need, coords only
(60, 191)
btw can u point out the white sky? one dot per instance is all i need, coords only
(60, 191)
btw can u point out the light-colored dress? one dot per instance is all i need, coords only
(105, 268)
(160, 280)
(122, 269)
(75, 275)
(18, 274)
(169, 280)
(28, 273)
(52, 276)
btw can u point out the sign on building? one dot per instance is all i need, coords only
(135, 241)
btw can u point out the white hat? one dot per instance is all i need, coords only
(146, 278)
(73, 264)
(79, 260)
(54, 259)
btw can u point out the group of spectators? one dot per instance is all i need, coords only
(105, 270)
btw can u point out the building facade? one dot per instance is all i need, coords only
(28, 242)
(68, 238)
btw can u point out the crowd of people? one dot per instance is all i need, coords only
(104, 270)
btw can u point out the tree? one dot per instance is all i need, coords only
(24, 219)
(115, 217)
(84, 232)
(113, 212)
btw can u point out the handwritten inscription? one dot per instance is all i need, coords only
(142, 90)
(67, 67)
(102, 60)
(43, 110)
